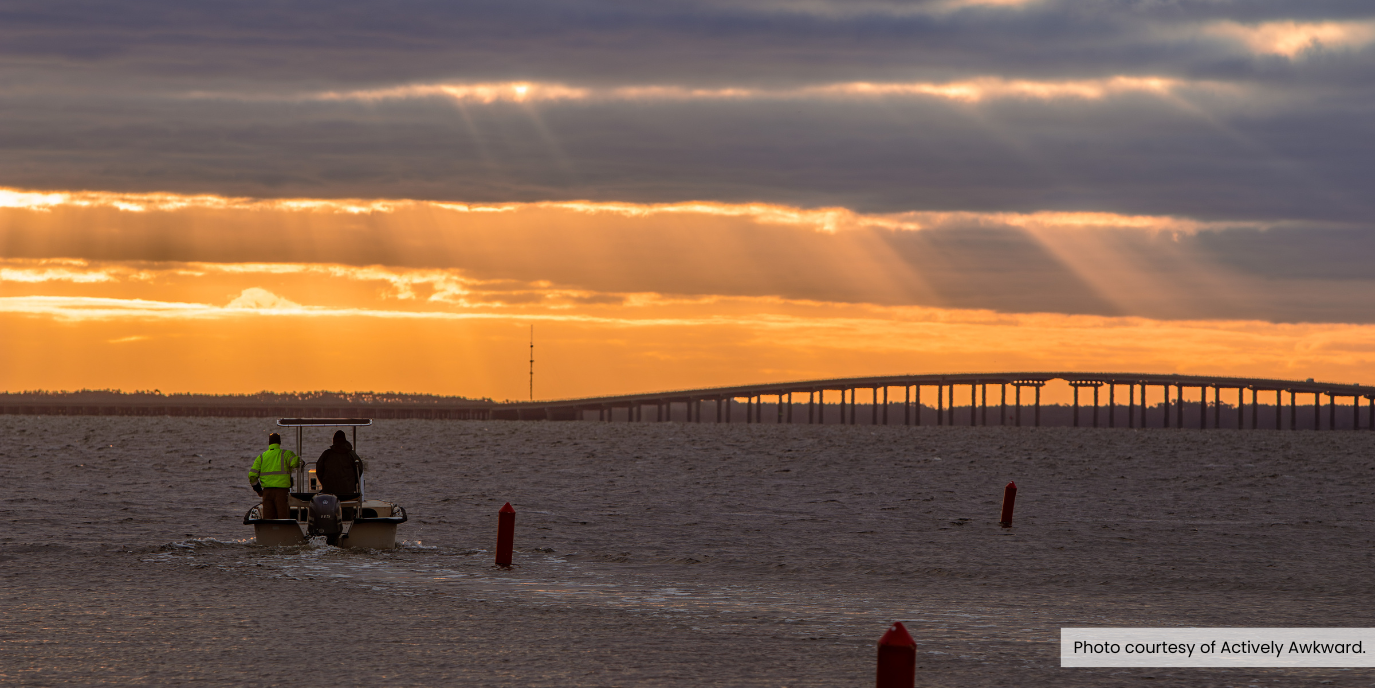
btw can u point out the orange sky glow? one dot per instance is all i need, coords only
(224, 295)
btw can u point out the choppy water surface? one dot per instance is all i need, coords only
(663, 554)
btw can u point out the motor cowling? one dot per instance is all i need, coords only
(325, 516)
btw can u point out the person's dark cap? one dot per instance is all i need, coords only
(274, 438)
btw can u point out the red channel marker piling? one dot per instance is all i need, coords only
(506, 534)
(1009, 497)
(897, 658)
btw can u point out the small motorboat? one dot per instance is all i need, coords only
(335, 504)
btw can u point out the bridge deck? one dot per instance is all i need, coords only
(723, 400)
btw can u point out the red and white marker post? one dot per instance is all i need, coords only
(897, 658)
(506, 534)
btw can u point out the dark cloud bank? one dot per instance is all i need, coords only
(96, 96)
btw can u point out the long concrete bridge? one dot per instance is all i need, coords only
(970, 393)
(964, 399)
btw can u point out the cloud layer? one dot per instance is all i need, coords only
(1074, 263)
(1214, 110)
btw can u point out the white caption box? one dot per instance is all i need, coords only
(1217, 647)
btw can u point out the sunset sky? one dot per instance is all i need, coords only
(352, 196)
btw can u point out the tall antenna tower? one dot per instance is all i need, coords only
(532, 363)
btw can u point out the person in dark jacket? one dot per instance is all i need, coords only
(337, 468)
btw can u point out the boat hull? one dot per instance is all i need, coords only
(279, 533)
(370, 536)
(371, 531)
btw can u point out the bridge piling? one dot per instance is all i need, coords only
(1095, 406)
(940, 401)
(1038, 406)
(1019, 404)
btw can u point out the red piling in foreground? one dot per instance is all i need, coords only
(1009, 497)
(506, 534)
(897, 658)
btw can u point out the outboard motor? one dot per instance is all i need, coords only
(325, 517)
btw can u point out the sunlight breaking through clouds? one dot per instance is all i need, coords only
(45, 274)
(147, 202)
(257, 298)
(1294, 39)
(965, 91)
(485, 93)
(828, 220)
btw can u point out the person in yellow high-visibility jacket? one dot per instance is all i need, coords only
(270, 477)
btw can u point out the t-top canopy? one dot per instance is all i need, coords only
(322, 422)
